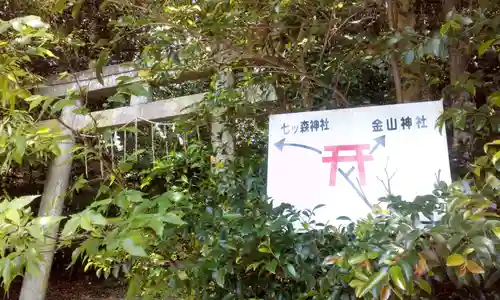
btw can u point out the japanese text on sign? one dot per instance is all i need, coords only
(306, 126)
(405, 123)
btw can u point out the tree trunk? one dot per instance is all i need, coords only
(396, 75)
(459, 53)
(412, 84)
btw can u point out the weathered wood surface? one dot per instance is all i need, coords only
(88, 80)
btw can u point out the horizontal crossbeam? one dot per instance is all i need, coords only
(87, 80)
(157, 110)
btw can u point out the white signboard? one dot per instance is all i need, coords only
(343, 158)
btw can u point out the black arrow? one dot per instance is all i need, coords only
(282, 144)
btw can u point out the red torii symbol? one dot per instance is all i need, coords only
(360, 158)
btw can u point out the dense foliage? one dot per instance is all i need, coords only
(193, 227)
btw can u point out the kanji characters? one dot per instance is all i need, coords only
(314, 125)
(392, 124)
(324, 124)
(420, 120)
(377, 126)
(406, 123)
(304, 126)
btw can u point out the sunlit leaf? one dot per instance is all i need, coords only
(173, 219)
(485, 47)
(157, 226)
(474, 268)
(132, 248)
(13, 215)
(424, 285)
(455, 260)
(496, 231)
(182, 275)
(397, 277)
(22, 201)
(374, 280)
(70, 227)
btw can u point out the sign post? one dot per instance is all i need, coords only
(347, 159)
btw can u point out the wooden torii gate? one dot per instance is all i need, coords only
(140, 108)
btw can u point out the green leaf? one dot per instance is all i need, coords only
(271, 266)
(485, 46)
(75, 254)
(409, 57)
(231, 216)
(360, 275)
(35, 100)
(407, 269)
(265, 250)
(374, 280)
(20, 142)
(59, 105)
(6, 273)
(33, 266)
(455, 260)
(253, 266)
(98, 219)
(474, 268)
(444, 29)
(397, 277)
(4, 26)
(22, 202)
(496, 231)
(182, 275)
(76, 8)
(469, 86)
(47, 220)
(318, 206)
(455, 25)
(132, 248)
(424, 285)
(101, 61)
(157, 226)
(343, 218)
(59, 5)
(355, 283)
(85, 223)
(219, 277)
(357, 259)
(291, 270)
(485, 242)
(137, 89)
(36, 231)
(71, 226)
(125, 166)
(494, 99)
(13, 215)
(173, 219)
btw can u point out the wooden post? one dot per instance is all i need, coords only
(52, 204)
(222, 140)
